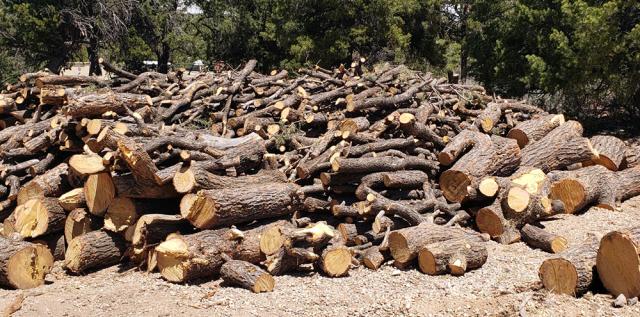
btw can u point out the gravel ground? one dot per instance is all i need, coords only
(506, 285)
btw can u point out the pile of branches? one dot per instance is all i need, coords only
(244, 176)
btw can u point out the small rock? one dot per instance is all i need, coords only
(395, 272)
(620, 301)
(632, 301)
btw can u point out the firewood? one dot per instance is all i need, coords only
(580, 188)
(247, 275)
(193, 178)
(234, 205)
(23, 264)
(373, 258)
(617, 262)
(535, 129)
(94, 250)
(611, 152)
(199, 255)
(152, 229)
(86, 164)
(99, 192)
(335, 260)
(560, 148)
(455, 256)
(55, 242)
(360, 165)
(94, 105)
(120, 214)
(499, 156)
(540, 239)
(72, 199)
(573, 271)
(405, 244)
(38, 217)
(79, 222)
(489, 117)
(52, 183)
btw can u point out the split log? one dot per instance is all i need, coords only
(573, 272)
(373, 258)
(99, 192)
(213, 208)
(23, 264)
(151, 229)
(529, 131)
(618, 262)
(247, 276)
(94, 250)
(72, 199)
(540, 239)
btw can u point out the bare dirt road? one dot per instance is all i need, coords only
(507, 285)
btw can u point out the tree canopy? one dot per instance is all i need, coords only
(572, 54)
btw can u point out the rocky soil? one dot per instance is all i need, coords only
(507, 285)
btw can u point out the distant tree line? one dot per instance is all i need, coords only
(580, 56)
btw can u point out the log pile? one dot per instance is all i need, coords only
(245, 176)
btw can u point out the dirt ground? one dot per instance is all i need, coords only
(506, 285)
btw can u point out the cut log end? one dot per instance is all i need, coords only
(489, 222)
(336, 261)
(27, 267)
(169, 255)
(518, 199)
(570, 192)
(559, 276)
(184, 180)
(399, 247)
(271, 240)
(619, 265)
(489, 187)
(454, 185)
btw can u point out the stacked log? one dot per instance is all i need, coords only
(247, 176)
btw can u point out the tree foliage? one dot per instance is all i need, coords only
(580, 55)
